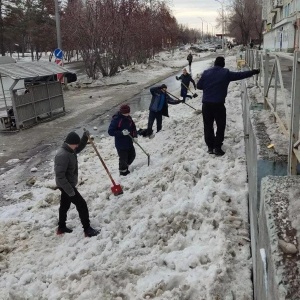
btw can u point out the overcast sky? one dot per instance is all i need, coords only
(189, 12)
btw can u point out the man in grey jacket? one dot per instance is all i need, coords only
(66, 176)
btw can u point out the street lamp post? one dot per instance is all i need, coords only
(57, 20)
(222, 5)
(202, 27)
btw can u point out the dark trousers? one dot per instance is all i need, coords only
(214, 112)
(126, 157)
(183, 93)
(152, 117)
(79, 202)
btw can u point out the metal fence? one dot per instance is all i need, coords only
(251, 154)
(283, 102)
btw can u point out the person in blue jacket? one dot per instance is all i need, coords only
(214, 83)
(123, 129)
(159, 107)
(185, 78)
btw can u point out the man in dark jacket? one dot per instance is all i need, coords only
(159, 107)
(190, 59)
(123, 128)
(66, 176)
(214, 83)
(185, 78)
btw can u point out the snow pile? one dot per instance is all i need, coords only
(179, 231)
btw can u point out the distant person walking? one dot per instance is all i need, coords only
(185, 78)
(214, 83)
(121, 127)
(66, 177)
(190, 60)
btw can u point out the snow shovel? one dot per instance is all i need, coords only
(194, 95)
(148, 155)
(116, 188)
(196, 110)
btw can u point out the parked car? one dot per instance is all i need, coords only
(219, 46)
(212, 48)
(196, 49)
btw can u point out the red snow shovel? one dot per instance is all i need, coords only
(116, 188)
(148, 155)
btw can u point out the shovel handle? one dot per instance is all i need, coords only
(190, 106)
(98, 154)
(186, 87)
(138, 145)
(180, 100)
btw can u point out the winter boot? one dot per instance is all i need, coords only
(62, 230)
(124, 172)
(89, 232)
(210, 150)
(219, 152)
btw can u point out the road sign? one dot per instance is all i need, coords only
(58, 53)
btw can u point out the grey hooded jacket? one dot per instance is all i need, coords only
(66, 166)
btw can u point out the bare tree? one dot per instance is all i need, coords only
(245, 20)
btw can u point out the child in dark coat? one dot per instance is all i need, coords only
(123, 129)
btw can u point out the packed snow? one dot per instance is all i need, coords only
(179, 231)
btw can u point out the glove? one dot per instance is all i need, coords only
(177, 77)
(256, 71)
(135, 139)
(86, 133)
(125, 132)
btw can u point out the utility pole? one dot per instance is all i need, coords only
(57, 20)
(202, 27)
(223, 31)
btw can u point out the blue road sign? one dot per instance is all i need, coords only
(58, 53)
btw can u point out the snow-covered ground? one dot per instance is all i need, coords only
(179, 231)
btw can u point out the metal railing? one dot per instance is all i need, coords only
(283, 104)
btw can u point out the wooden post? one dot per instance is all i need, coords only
(266, 78)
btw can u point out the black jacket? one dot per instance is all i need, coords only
(186, 79)
(190, 57)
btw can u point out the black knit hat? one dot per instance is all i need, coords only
(124, 109)
(163, 86)
(220, 61)
(72, 138)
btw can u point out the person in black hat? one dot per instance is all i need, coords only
(214, 83)
(123, 129)
(66, 177)
(159, 107)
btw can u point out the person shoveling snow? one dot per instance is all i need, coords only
(186, 79)
(66, 176)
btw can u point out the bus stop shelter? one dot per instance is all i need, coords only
(23, 106)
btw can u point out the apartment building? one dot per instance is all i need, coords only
(281, 25)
